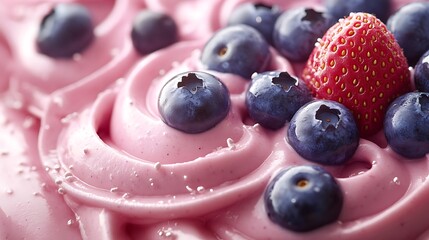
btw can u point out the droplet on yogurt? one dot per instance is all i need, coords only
(396, 181)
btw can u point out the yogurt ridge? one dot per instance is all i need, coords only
(205, 186)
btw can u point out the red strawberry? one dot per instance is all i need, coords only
(359, 63)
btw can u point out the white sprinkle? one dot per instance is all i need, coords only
(189, 189)
(396, 181)
(61, 191)
(70, 222)
(257, 127)
(57, 167)
(58, 181)
(165, 233)
(69, 177)
(114, 189)
(37, 194)
(157, 165)
(231, 144)
(200, 189)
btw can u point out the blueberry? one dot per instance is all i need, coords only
(152, 31)
(410, 28)
(274, 97)
(324, 131)
(297, 30)
(237, 49)
(406, 125)
(260, 16)
(66, 30)
(340, 8)
(303, 198)
(193, 102)
(421, 73)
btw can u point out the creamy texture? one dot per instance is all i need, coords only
(125, 175)
(212, 180)
(30, 206)
(36, 76)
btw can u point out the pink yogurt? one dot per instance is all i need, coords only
(35, 75)
(30, 205)
(125, 175)
(129, 166)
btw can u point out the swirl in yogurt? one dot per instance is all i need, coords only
(118, 159)
(35, 75)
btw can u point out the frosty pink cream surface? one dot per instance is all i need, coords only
(126, 175)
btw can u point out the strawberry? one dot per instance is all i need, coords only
(359, 64)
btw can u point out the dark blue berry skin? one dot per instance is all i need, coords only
(193, 102)
(324, 132)
(341, 8)
(410, 28)
(260, 16)
(421, 73)
(237, 49)
(303, 198)
(406, 125)
(297, 30)
(274, 97)
(66, 30)
(152, 31)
